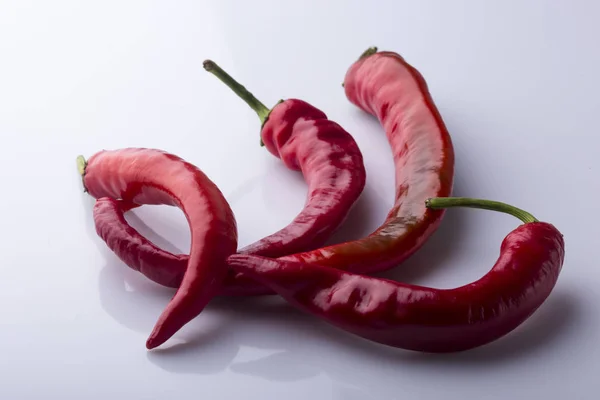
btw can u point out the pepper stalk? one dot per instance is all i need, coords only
(438, 203)
(261, 110)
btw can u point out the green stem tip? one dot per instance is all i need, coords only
(437, 203)
(81, 164)
(368, 52)
(261, 110)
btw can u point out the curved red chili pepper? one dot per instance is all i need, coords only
(421, 318)
(329, 158)
(385, 85)
(147, 176)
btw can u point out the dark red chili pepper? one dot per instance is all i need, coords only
(385, 85)
(147, 176)
(421, 318)
(329, 158)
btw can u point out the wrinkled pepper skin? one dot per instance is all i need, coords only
(148, 176)
(304, 139)
(421, 318)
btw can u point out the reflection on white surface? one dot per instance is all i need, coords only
(515, 81)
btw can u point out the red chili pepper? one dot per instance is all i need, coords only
(385, 85)
(147, 176)
(329, 158)
(421, 318)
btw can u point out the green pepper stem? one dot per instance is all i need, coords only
(240, 90)
(81, 165)
(447, 202)
(368, 52)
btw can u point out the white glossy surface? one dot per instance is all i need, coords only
(516, 82)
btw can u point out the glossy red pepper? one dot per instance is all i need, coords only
(385, 85)
(328, 157)
(421, 318)
(147, 176)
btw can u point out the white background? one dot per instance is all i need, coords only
(516, 82)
